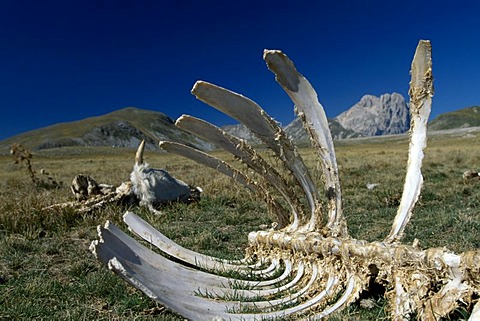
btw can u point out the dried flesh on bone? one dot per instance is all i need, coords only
(310, 267)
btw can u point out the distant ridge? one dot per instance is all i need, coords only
(463, 118)
(122, 128)
(128, 126)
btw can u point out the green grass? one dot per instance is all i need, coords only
(48, 273)
(466, 117)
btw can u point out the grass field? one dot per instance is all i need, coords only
(48, 273)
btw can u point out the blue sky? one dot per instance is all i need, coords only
(62, 61)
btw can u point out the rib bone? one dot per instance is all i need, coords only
(421, 92)
(247, 155)
(225, 168)
(255, 118)
(315, 121)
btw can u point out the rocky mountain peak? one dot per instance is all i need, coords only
(371, 116)
(384, 115)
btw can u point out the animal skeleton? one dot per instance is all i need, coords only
(307, 268)
(147, 186)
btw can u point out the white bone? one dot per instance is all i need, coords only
(315, 121)
(290, 298)
(225, 168)
(247, 155)
(254, 117)
(155, 186)
(421, 92)
(347, 296)
(475, 316)
(207, 160)
(177, 286)
(156, 238)
(111, 230)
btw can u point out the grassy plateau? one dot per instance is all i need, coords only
(48, 273)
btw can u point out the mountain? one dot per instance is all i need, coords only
(372, 116)
(241, 131)
(463, 118)
(122, 128)
(294, 130)
(297, 132)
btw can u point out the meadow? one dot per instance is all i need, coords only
(48, 273)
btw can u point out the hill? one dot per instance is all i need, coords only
(122, 128)
(463, 118)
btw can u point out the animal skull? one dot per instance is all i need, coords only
(310, 267)
(154, 187)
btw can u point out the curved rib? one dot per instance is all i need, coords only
(421, 92)
(154, 237)
(290, 298)
(246, 154)
(254, 118)
(347, 296)
(116, 244)
(160, 278)
(225, 168)
(207, 160)
(255, 292)
(315, 121)
(298, 309)
(166, 245)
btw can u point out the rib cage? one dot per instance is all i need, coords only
(309, 267)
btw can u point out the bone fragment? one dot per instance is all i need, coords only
(107, 195)
(315, 121)
(471, 175)
(83, 187)
(421, 92)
